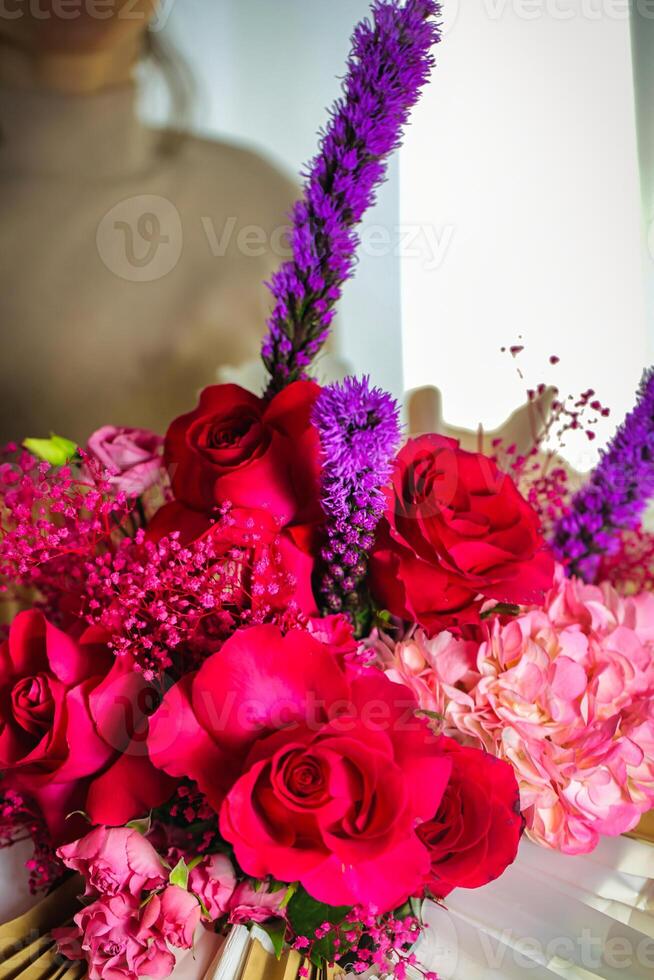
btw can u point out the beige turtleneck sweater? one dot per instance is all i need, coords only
(129, 271)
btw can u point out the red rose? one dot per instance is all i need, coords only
(474, 837)
(265, 569)
(239, 448)
(456, 532)
(55, 734)
(320, 777)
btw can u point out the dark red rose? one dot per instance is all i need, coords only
(239, 448)
(474, 837)
(57, 746)
(456, 532)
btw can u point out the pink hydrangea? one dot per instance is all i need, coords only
(436, 669)
(564, 694)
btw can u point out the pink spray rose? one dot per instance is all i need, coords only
(249, 905)
(179, 916)
(114, 860)
(214, 881)
(119, 939)
(133, 458)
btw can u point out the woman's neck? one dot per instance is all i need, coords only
(68, 73)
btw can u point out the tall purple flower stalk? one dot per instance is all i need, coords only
(389, 63)
(617, 494)
(359, 436)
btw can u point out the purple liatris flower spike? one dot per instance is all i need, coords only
(617, 494)
(389, 64)
(359, 436)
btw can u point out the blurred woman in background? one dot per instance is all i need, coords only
(131, 260)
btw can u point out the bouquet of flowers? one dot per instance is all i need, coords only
(274, 670)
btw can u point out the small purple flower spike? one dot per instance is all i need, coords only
(359, 435)
(389, 64)
(616, 496)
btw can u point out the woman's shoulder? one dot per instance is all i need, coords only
(219, 168)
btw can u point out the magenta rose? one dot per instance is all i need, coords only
(132, 458)
(320, 776)
(114, 860)
(259, 681)
(253, 453)
(214, 882)
(62, 742)
(336, 809)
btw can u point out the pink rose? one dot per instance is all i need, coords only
(119, 939)
(113, 861)
(179, 916)
(133, 458)
(214, 881)
(255, 905)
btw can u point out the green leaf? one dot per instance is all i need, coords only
(56, 450)
(276, 932)
(142, 826)
(306, 915)
(290, 892)
(430, 715)
(501, 609)
(179, 874)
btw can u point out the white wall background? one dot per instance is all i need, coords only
(516, 213)
(523, 159)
